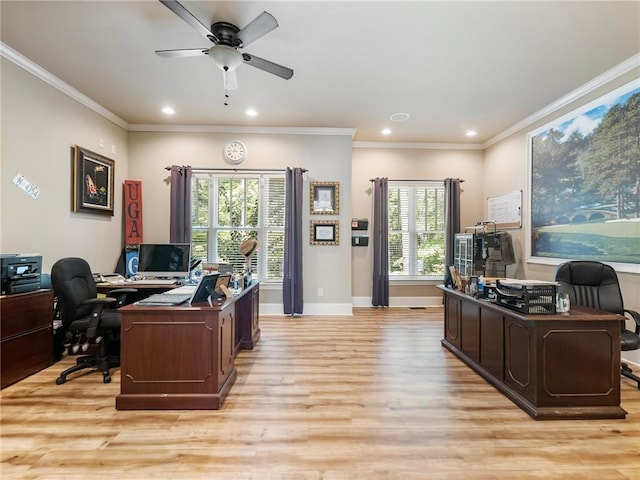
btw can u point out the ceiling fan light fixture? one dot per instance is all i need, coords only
(225, 57)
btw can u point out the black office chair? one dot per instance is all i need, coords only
(87, 319)
(594, 284)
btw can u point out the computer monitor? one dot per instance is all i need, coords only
(164, 260)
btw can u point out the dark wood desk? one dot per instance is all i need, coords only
(247, 317)
(180, 357)
(26, 327)
(561, 366)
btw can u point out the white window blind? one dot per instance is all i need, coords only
(416, 229)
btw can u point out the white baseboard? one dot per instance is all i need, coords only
(347, 309)
(401, 302)
(309, 309)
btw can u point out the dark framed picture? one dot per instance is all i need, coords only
(93, 178)
(325, 232)
(324, 198)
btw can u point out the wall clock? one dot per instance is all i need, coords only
(234, 152)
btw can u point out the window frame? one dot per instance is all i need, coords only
(412, 187)
(212, 227)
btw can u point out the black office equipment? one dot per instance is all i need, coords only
(160, 260)
(87, 319)
(20, 273)
(485, 252)
(595, 285)
(526, 297)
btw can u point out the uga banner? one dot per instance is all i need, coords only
(132, 212)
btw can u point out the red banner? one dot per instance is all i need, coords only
(132, 212)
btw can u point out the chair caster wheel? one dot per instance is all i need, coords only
(60, 380)
(106, 380)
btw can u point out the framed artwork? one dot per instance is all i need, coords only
(325, 232)
(324, 198)
(93, 178)
(583, 184)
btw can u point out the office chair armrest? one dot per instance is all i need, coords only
(98, 305)
(101, 301)
(121, 295)
(118, 291)
(636, 318)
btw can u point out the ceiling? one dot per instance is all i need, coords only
(450, 65)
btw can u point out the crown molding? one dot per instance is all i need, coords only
(617, 71)
(39, 72)
(139, 127)
(420, 146)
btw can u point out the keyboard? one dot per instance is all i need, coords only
(159, 281)
(164, 299)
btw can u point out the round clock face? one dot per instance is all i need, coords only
(234, 152)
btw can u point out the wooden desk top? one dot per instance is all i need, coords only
(575, 313)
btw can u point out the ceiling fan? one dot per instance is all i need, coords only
(227, 40)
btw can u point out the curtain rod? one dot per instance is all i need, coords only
(237, 169)
(414, 180)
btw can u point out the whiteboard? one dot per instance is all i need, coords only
(505, 210)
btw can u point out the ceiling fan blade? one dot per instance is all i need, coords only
(190, 52)
(267, 66)
(259, 26)
(184, 14)
(230, 79)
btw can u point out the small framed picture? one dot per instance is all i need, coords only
(324, 198)
(93, 178)
(325, 232)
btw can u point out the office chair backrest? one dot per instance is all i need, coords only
(591, 284)
(73, 283)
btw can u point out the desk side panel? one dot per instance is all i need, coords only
(169, 351)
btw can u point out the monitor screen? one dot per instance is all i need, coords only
(164, 260)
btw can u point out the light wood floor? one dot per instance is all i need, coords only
(373, 396)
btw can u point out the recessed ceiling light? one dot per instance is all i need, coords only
(168, 111)
(251, 112)
(399, 117)
(386, 131)
(470, 133)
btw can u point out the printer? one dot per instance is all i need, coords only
(20, 273)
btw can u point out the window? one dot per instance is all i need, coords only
(416, 230)
(226, 209)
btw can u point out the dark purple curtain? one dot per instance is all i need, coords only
(292, 271)
(380, 297)
(451, 222)
(180, 216)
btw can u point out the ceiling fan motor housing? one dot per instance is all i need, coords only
(225, 33)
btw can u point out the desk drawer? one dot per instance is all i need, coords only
(25, 355)
(25, 312)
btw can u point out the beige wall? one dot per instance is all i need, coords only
(326, 158)
(39, 126)
(403, 163)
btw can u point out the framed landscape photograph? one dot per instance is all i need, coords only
(324, 232)
(324, 198)
(93, 178)
(583, 184)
